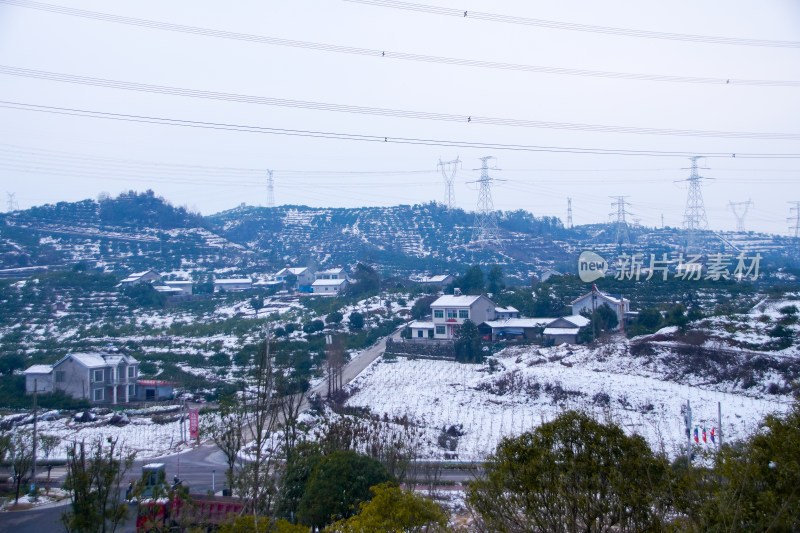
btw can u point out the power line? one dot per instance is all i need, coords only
(21, 106)
(623, 237)
(570, 26)
(384, 112)
(388, 54)
(694, 218)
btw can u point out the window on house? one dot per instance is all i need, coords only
(463, 313)
(419, 333)
(131, 372)
(60, 376)
(98, 394)
(438, 313)
(440, 330)
(452, 313)
(131, 391)
(98, 375)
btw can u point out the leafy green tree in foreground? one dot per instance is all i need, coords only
(467, 340)
(338, 484)
(572, 474)
(394, 510)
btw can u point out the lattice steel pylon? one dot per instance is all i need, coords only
(449, 178)
(794, 230)
(694, 217)
(569, 213)
(623, 237)
(745, 206)
(485, 229)
(270, 189)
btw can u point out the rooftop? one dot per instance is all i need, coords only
(451, 300)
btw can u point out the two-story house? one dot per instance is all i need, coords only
(98, 377)
(450, 311)
(590, 301)
(304, 277)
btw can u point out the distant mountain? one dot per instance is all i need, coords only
(136, 231)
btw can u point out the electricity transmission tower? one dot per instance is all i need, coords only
(569, 213)
(795, 229)
(745, 206)
(449, 177)
(485, 228)
(12, 201)
(270, 190)
(623, 237)
(694, 218)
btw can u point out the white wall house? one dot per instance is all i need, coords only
(184, 285)
(421, 329)
(328, 287)
(233, 284)
(331, 273)
(108, 378)
(506, 312)
(595, 298)
(450, 311)
(305, 276)
(565, 329)
(438, 281)
(42, 375)
(148, 276)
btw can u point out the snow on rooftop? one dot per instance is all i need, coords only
(451, 300)
(331, 282)
(38, 369)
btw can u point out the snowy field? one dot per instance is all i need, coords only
(529, 389)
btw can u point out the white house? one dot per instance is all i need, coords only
(595, 298)
(439, 281)
(148, 276)
(42, 375)
(97, 377)
(304, 275)
(421, 329)
(450, 311)
(185, 286)
(506, 312)
(328, 287)
(233, 285)
(528, 328)
(331, 273)
(565, 329)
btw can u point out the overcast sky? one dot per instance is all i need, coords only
(48, 157)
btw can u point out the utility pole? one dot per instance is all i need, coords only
(35, 436)
(569, 212)
(623, 237)
(270, 190)
(687, 418)
(448, 170)
(694, 217)
(735, 206)
(485, 228)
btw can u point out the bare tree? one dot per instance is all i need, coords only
(20, 455)
(94, 478)
(49, 443)
(227, 429)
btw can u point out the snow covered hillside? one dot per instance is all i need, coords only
(526, 386)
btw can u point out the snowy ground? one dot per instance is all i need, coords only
(535, 385)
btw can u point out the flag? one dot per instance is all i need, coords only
(704, 436)
(713, 431)
(696, 437)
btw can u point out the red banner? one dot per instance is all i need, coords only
(194, 423)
